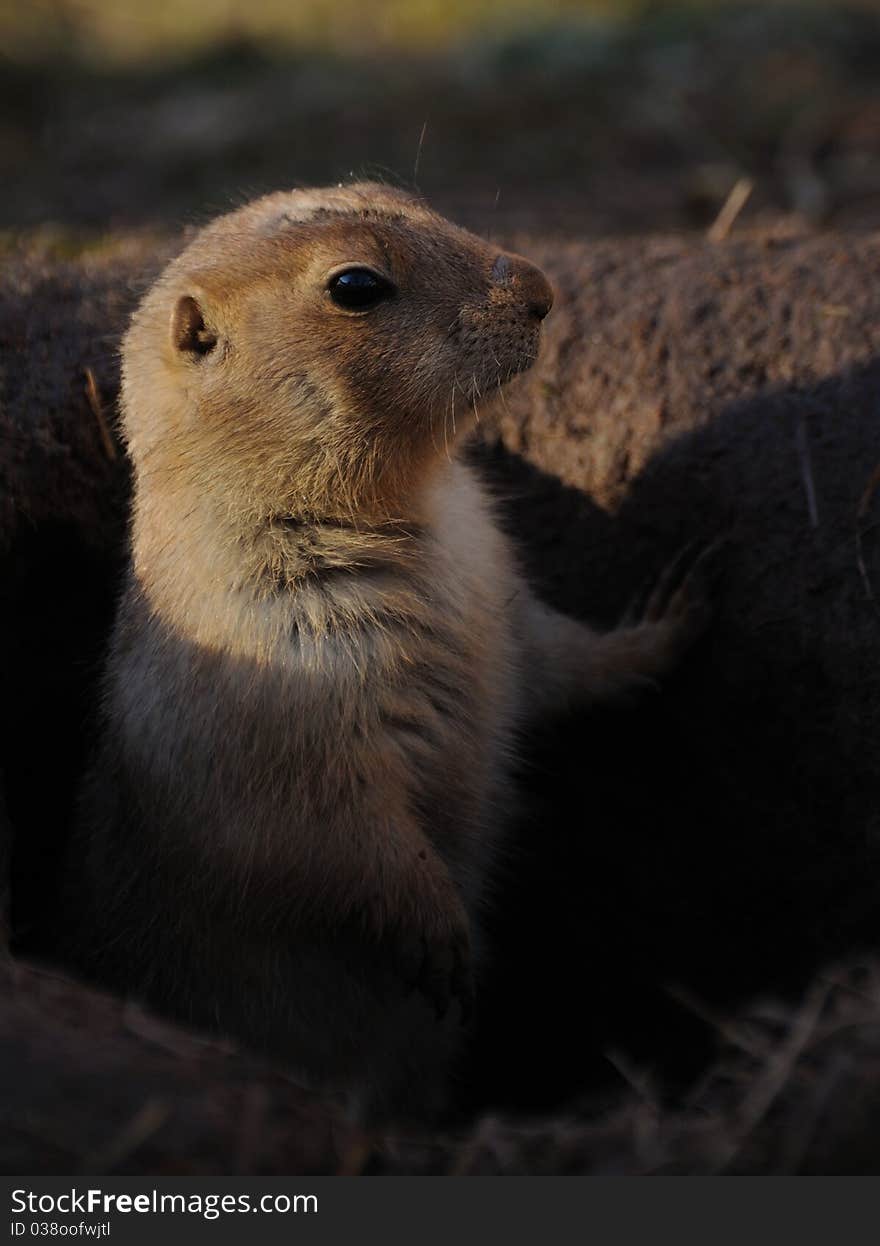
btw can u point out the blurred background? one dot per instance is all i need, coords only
(556, 116)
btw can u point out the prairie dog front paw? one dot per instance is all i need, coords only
(677, 612)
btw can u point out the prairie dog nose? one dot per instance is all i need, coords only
(528, 282)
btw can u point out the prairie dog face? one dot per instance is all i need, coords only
(320, 348)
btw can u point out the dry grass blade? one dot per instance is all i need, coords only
(778, 1070)
(733, 205)
(806, 461)
(861, 529)
(93, 397)
(150, 1118)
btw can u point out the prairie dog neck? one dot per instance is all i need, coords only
(226, 580)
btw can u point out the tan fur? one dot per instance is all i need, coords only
(325, 646)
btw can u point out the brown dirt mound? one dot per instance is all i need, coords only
(725, 834)
(92, 1085)
(720, 839)
(63, 497)
(89, 1084)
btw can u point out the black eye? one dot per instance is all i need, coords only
(358, 289)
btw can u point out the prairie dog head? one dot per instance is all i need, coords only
(316, 351)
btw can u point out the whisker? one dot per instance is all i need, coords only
(477, 392)
(494, 209)
(419, 154)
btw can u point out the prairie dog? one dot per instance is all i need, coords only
(324, 647)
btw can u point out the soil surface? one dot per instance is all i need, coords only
(713, 843)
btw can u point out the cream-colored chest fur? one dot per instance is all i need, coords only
(331, 701)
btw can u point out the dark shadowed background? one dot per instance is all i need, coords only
(579, 117)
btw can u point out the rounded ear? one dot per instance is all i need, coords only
(189, 333)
